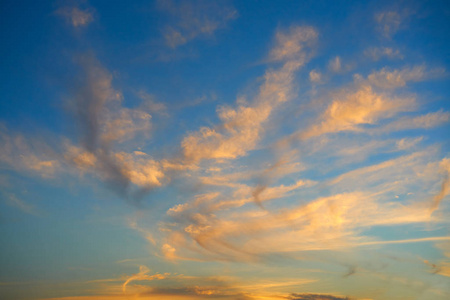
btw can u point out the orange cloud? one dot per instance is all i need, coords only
(242, 127)
(350, 109)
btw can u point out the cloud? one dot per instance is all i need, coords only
(140, 171)
(408, 241)
(398, 78)
(143, 276)
(119, 168)
(377, 53)
(150, 104)
(373, 175)
(335, 64)
(76, 16)
(348, 150)
(198, 231)
(323, 224)
(355, 107)
(94, 92)
(99, 111)
(25, 207)
(147, 233)
(443, 266)
(426, 121)
(144, 285)
(296, 296)
(315, 76)
(28, 154)
(194, 19)
(363, 104)
(389, 22)
(445, 185)
(407, 143)
(242, 127)
(292, 43)
(104, 125)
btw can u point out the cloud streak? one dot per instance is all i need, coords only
(242, 127)
(76, 16)
(194, 19)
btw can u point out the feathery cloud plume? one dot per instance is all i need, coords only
(104, 123)
(297, 296)
(377, 53)
(389, 22)
(388, 79)
(335, 64)
(242, 127)
(76, 16)
(426, 121)
(355, 107)
(315, 76)
(194, 19)
(143, 275)
(25, 207)
(292, 43)
(27, 154)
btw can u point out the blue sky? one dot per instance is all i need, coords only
(225, 150)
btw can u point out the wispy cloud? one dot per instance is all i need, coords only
(408, 241)
(186, 287)
(142, 276)
(355, 107)
(105, 124)
(194, 19)
(426, 121)
(389, 79)
(315, 76)
(335, 64)
(77, 16)
(28, 154)
(242, 127)
(315, 297)
(389, 22)
(25, 207)
(377, 53)
(150, 104)
(291, 44)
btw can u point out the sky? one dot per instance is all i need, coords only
(295, 150)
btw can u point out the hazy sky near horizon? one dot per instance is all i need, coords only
(225, 150)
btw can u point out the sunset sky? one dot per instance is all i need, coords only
(234, 150)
